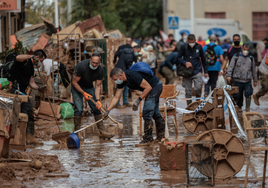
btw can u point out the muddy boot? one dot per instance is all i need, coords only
(101, 128)
(147, 138)
(31, 140)
(256, 100)
(77, 126)
(160, 126)
(248, 101)
(188, 102)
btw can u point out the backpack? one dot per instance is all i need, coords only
(210, 55)
(6, 68)
(143, 68)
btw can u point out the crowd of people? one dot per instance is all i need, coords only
(197, 62)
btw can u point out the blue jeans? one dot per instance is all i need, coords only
(213, 77)
(151, 103)
(78, 101)
(125, 92)
(244, 88)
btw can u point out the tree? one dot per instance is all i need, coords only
(133, 18)
(39, 8)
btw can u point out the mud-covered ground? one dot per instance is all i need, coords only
(117, 162)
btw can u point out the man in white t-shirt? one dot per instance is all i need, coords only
(47, 64)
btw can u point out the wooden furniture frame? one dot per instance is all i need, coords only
(169, 92)
(255, 126)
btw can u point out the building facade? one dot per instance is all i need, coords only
(251, 14)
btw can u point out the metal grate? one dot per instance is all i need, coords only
(199, 163)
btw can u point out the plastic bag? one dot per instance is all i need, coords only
(66, 111)
(263, 68)
(221, 82)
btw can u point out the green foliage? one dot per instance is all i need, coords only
(18, 49)
(41, 8)
(133, 18)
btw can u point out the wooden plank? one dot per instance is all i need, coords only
(45, 109)
(23, 117)
(24, 98)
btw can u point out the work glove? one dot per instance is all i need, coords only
(105, 114)
(136, 104)
(87, 96)
(35, 60)
(174, 67)
(98, 105)
(42, 89)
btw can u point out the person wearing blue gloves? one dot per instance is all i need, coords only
(167, 67)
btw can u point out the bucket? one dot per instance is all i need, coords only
(73, 141)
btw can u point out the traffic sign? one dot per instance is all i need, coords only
(173, 22)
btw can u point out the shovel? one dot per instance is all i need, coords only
(73, 141)
(120, 125)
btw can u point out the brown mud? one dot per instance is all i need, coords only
(115, 162)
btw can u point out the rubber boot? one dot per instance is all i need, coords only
(77, 126)
(188, 102)
(103, 134)
(248, 101)
(160, 126)
(30, 139)
(147, 138)
(256, 100)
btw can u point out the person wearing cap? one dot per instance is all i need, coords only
(22, 76)
(85, 73)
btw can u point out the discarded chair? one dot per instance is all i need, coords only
(169, 92)
(255, 126)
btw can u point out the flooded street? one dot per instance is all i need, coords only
(118, 163)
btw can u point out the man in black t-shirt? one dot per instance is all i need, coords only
(236, 48)
(85, 73)
(22, 76)
(151, 89)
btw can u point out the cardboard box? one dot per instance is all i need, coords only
(173, 159)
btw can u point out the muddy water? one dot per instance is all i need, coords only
(118, 163)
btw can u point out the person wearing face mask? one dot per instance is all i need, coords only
(183, 38)
(151, 89)
(167, 67)
(126, 56)
(22, 76)
(85, 73)
(189, 56)
(242, 70)
(236, 48)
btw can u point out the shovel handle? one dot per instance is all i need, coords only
(88, 126)
(120, 125)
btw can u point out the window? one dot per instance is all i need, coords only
(218, 15)
(260, 25)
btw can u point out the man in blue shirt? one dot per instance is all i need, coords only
(213, 70)
(167, 67)
(189, 56)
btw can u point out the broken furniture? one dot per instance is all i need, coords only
(211, 116)
(255, 126)
(229, 153)
(9, 117)
(168, 92)
(199, 163)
